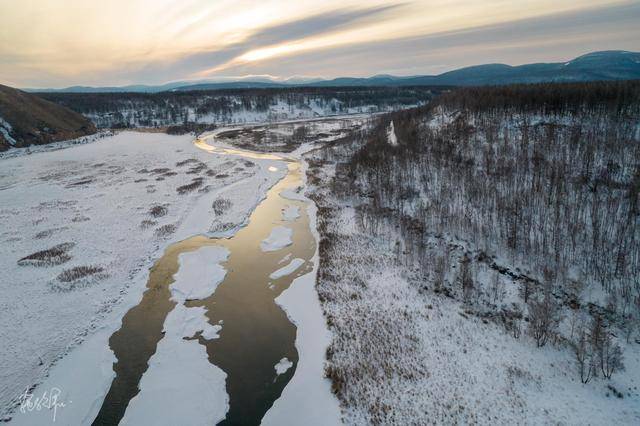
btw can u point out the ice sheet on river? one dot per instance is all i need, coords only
(181, 386)
(279, 238)
(290, 268)
(199, 273)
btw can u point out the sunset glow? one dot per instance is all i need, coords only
(56, 43)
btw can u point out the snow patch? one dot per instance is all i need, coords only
(286, 270)
(181, 385)
(294, 194)
(279, 238)
(199, 273)
(282, 366)
(291, 213)
(391, 135)
(5, 130)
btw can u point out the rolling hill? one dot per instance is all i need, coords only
(26, 119)
(596, 66)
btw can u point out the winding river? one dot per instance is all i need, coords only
(256, 333)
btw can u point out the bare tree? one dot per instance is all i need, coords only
(466, 280)
(544, 317)
(597, 336)
(611, 357)
(584, 356)
(497, 288)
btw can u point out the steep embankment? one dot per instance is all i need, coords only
(26, 119)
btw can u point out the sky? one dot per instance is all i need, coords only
(61, 43)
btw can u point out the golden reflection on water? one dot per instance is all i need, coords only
(256, 332)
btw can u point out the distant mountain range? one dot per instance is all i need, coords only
(605, 65)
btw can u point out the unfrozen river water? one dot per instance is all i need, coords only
(256, 333)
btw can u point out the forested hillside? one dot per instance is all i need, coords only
(518, 206)
(26, 119)
(548, 174)
(236, 105)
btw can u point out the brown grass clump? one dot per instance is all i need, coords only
(221, 205)
(198, 168)
(158, 211)
(55, 255)
(159, 171)
(190, 187)
(147, 223)
(78, 277)
(187, 161)
(165, 230)
(44, 234)
(77, 272)
(80, 182)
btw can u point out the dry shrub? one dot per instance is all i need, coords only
(221, 227)
(78, 277)
(198, 168)
(187, 161)
(190, 187)
(44, 234)
(221, 205)
(159, 171)
(165, 230)
(147, 223)
(77, 272)
(55, 255)
(80, 182)
(158, 211)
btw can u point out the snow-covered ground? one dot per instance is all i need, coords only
(107, 209)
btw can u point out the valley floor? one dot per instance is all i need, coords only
(83, 224)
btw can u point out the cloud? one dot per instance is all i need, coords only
(545, 38)
(202, 39)
(199, 62)
(300, 29)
